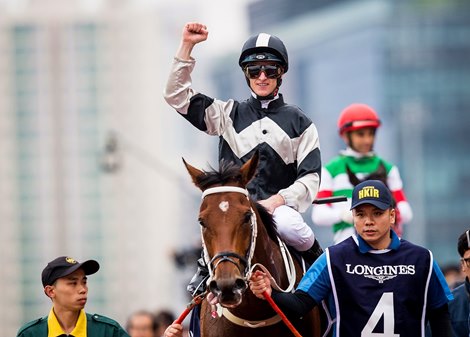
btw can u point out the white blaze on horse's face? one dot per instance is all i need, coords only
(224, 206)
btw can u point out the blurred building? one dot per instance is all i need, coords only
(86, 169)
(409, 60)
(427, 91)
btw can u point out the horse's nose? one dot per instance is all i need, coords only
(240, 284)
(227, 287)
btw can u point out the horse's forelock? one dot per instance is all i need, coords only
(228, 173)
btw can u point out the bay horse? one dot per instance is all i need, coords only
(237, 234)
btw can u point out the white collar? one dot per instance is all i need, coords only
(265, 102)
(352, 153)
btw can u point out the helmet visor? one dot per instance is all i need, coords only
(356, 125)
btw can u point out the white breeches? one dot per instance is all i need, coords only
(293, 229)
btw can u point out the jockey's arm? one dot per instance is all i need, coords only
(304, 190)
(329, 214)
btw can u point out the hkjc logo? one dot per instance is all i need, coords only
(369, 192)
(70, 260)
(380, 273)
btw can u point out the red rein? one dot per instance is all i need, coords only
(197, 300)
(281, 314)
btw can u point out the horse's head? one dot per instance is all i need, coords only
(228, 227)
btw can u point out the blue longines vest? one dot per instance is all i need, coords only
(381, 294)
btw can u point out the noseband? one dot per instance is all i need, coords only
(213, 263)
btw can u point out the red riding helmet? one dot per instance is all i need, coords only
(357, 116)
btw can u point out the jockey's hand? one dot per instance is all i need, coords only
(259, 283)
(174, 330)
(194, 33)
(272, 202)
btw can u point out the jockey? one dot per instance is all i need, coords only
(289, 169)
(357, 126)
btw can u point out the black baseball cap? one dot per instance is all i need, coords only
(63, 266)
(372, 192)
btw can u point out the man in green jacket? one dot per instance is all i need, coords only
(65, 283)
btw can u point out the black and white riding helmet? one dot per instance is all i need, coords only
(264, 47)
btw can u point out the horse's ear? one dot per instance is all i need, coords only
(353, 179)
(249, 168)
(193, 172)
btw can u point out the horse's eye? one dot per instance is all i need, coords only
(247, 218)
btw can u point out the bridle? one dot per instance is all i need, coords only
(227, 256)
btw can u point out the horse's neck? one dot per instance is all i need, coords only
(268, 254)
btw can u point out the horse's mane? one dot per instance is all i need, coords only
(268, 222)
(229, 173)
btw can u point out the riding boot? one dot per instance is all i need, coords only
(311, 254)
(197, 285)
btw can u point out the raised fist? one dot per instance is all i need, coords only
(194, 32)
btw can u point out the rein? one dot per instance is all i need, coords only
(290, 269)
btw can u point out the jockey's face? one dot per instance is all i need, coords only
(361, 140)
(264, 85)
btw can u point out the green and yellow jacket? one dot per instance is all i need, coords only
(97, 326)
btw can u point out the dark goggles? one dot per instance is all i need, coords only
(467, 261)
(271, 71)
